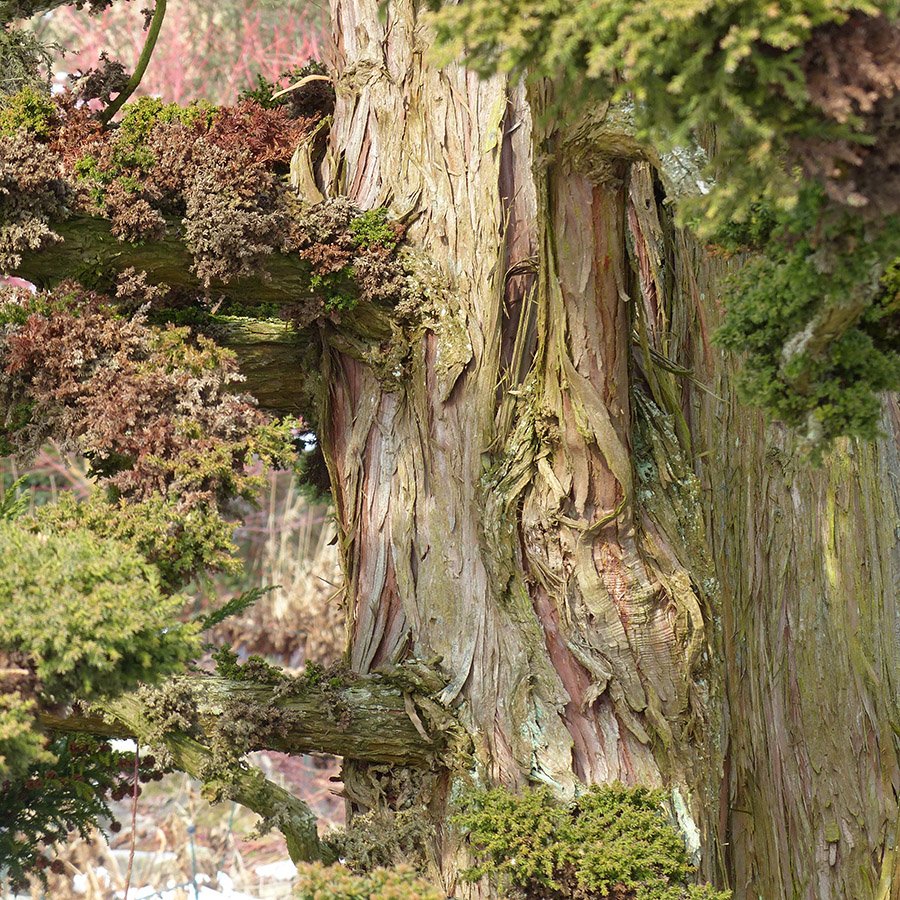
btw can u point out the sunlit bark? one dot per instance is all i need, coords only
(626, 575)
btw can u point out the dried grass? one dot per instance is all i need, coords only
(290, 544)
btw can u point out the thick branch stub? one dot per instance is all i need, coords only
(370, 720)
(89, 251)
(245, 785)
(367, 720)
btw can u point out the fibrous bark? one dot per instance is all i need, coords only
(565, 501)
(488, 503)
(625, 573)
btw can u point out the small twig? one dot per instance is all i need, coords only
(152, 34)
(299, 84)
(134, 799)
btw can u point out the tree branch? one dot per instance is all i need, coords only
(244, 785)
(366, 719)
(89, 251)
(159, 13)
(371, 719)
(91, 254)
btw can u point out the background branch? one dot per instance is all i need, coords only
(159, 13)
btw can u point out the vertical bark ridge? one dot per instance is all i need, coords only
(807, 563)
(440, 136)
(561, 494)
(814, 661)
(487, 499)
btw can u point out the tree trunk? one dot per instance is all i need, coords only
(624, 573)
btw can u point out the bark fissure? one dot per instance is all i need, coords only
(554, 494)
(490, 494)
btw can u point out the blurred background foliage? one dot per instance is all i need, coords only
(213, 51)
(207, 50)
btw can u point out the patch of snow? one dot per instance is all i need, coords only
(80, 882)
(280, 870)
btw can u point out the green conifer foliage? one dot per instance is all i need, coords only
(795, 108)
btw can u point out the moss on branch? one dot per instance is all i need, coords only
(91, 254)
(238, 782)
(204, 725)
(362, 719)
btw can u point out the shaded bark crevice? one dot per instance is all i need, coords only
(621, 571)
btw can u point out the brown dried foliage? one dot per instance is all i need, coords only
(268, 135)
(133, 291)
(223, 178)
(32, 194)
(853, 75)
(151, 408)
(321, 234)
(133, 218)
(173, 146)
(379, 277)
(78, 131)
(101, 83)
(236, 213)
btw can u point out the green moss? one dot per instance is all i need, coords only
(612, 841)
(381, 839)
(130, 160)
(682, 71)
(87, 167)
(21, 744)
(180, 542)
(168, 709)
(125, 158)
(372, 229)
(139, 118)
(752, 232)
(256, 669)
(81, 617)
(318, 882)
(338, 291)
(28, 108)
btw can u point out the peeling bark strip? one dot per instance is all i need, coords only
(487, 502)
(550, 503)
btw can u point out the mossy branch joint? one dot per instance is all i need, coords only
(203, 725)
(365, 719)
